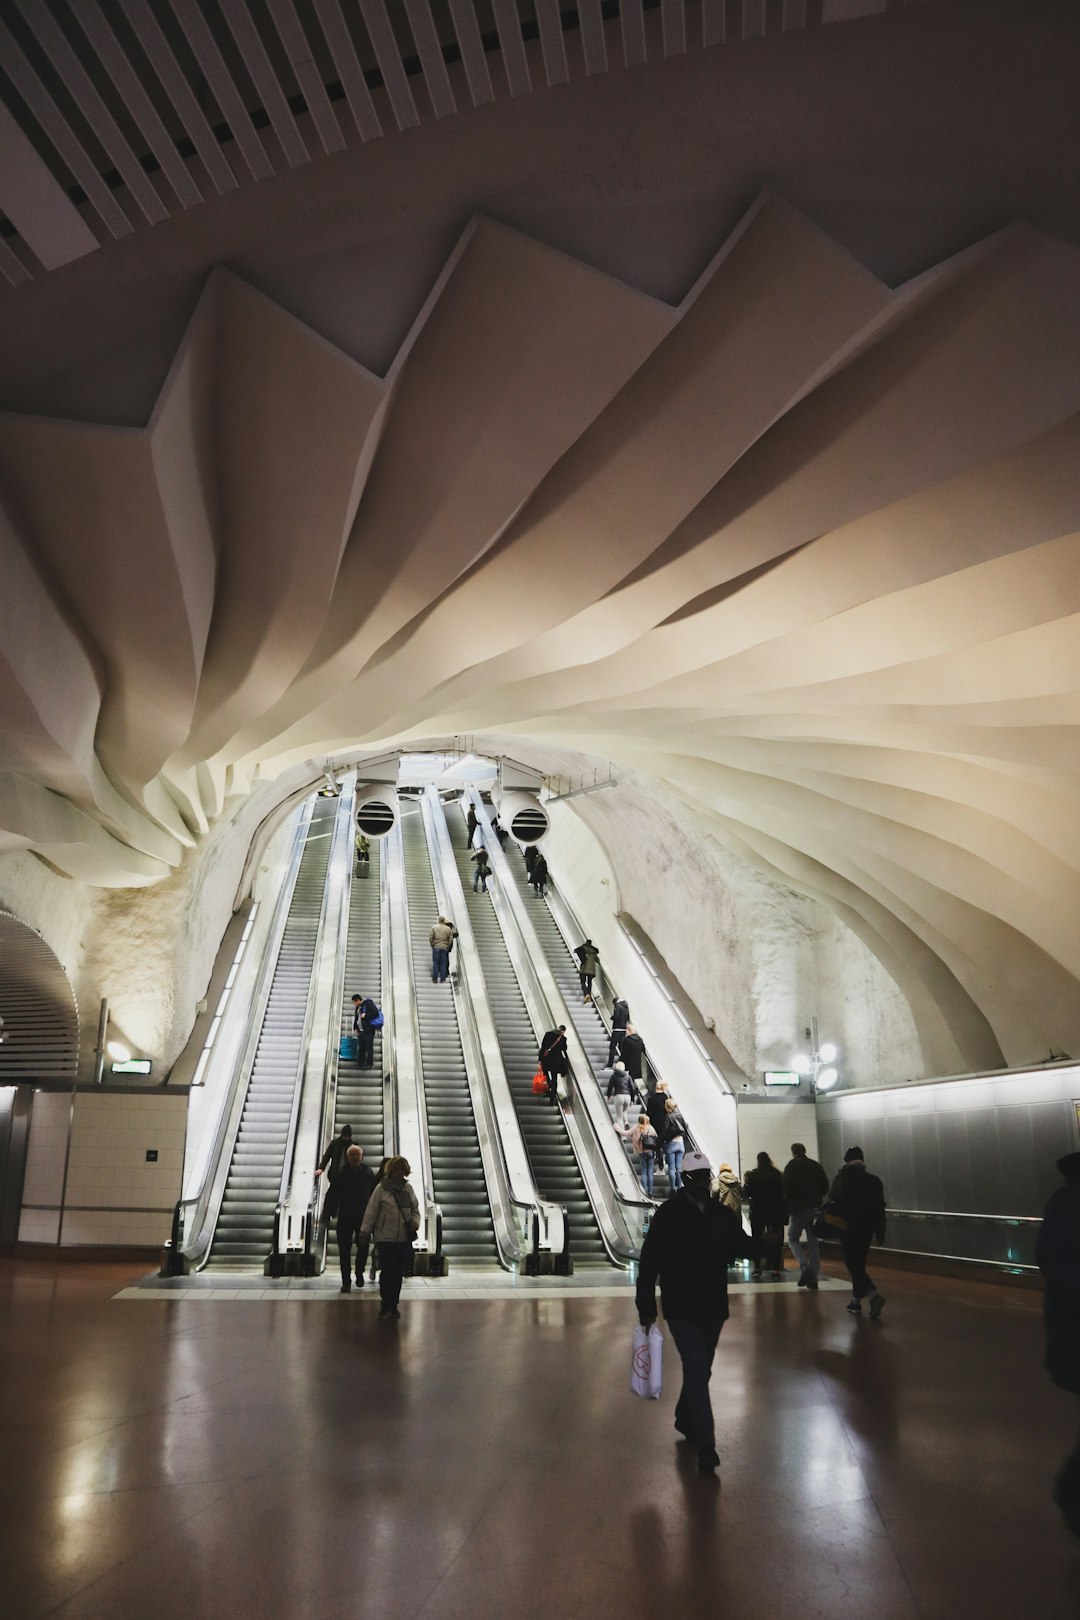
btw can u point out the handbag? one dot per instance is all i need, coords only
(377, 1021)
(828, 1223)
(539, 1083)
(646, 1363)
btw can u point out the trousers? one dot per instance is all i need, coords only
(696, 1343)
(856, 1247)
(348, 1233)
(392, 1261)
(440, 963)
(800, 1221)
(769, 1231)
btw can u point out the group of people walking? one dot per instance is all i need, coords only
(367, 1208)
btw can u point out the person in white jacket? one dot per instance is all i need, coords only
(392, 1217)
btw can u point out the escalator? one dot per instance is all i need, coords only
(359, 1094)
(586, 1018)
(244, 1233)
(554, 1167)
(468, 1236)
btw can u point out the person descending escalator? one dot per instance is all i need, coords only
(366, 1020)
(531, 852)
(334, 1157)
(347, 1202)
(539, 875)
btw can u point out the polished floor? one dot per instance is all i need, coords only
(184, 1457)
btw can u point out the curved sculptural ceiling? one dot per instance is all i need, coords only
(804, 546)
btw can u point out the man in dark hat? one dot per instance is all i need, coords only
(1057, 1251)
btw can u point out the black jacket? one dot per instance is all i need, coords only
(552, 1053)
(689, 1250)
(334, 1157)
(539, 871)
(860, 1198)
(765, 1190)
(349, 1192)
(1057, 1251)
(620, 1084)
(620, 1016)
(656, 1108)
(806, 1186)
(364, 1013)
(632, 1052)
(674, 1125)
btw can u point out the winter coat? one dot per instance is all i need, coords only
(349, 1193)
(539, 871)
(674, 1128)
(364, 1013)
(806, 1186)
(442, 936)
(632, 1052)
(620, 1015)
(620, 1084)
(334, 1157)
(689, 1250)
(765, 1190)
(481, 857)
(532, 854)
(656, 1108)
(729, 1192)
(860, 1199)
(589, 957)
(1057, 1252)
(552, 1053)
(383, 1218)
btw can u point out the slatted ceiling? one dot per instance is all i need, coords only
(12, 268)
(89, 16)
(673, 14)
(94, 110)
(347, 65)
(266, 82)
(431, 57)
(556, 68)
(508, 24)
(224, 88)
(163, 60)
(467, 31)
(593, 43)
(41, 1024)
(632, 23)
(298, 49)
(388, 56)
(36, 204)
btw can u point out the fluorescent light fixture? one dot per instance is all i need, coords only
(132, 1066)
(118, 1051)
(801, 1063)
(827, 1054)
(781, 1077)
(827, 1079)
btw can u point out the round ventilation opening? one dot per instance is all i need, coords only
(375, 818)
(529, 824)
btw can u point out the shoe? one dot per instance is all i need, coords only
(682, 1430)
(804, 1278)
(384, 1311)
(756, 1275)
(346, 1288)
(855, 1307)
(877, 1305)
(707, 1460)
(395, 1313)
(777, 1276)
(359, 1282)
(811, 1283)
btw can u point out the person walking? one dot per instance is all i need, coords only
(539, 875)
(644, 1141)
(632, 1052)
(392, 1218)
(553, 1059)
(764, 1187)
(674, 1140)
(620, 1017)
(729, 1189)
(858, 1198)
(1057, 1254)
(334, 1157)
(588, 956)
(365, 1014)
(347, 1202)
(482, 870)
(689, 1245)
(620, 1094)
(805, 1187)
(442, 939)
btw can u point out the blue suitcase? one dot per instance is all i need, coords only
(348, 1048)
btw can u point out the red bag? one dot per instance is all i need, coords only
(540, 1084)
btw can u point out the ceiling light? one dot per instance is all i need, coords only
(827, 1053)
(827, 1079)
(801, 1063)
(119, 1052)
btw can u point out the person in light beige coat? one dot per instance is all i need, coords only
(392, 1218)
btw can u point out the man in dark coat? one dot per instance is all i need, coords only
(689, 1246)
(538, 876)
(620, 1017)
(347, 1200)
(553, 1059)
(806, 1187)
(588, 956)
(364, 1014)
(858, 1198)
(632, 1052)
(334, 1157)
(1057, 1251)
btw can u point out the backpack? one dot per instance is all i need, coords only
(378, 1020)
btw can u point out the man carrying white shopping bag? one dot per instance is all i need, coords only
(646, 1363)
(688, 1247)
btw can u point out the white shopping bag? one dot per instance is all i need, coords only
(646, 1363)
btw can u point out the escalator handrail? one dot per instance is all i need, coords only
(544, 1220)
(235, 1090)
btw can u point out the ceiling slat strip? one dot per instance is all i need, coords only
(552, 42)
(714, 21)
(12, 268)
(467, 30)
(632, 21)
(224, 87)
(673, 15)
(427, 44)
(353, 82)
(179, 92)
(79, 85)
(90, 19)
(258, 64)
(62, 135)
(512, 46)
(298, 50)
(389, 59)
(36, 204)
(592, 36)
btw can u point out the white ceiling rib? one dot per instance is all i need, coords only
(108, 96)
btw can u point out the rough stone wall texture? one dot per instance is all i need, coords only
(755, 956)
(60, 908)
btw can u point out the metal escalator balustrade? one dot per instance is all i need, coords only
(244, 1233)
(457, 1166)
(543, 1130)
